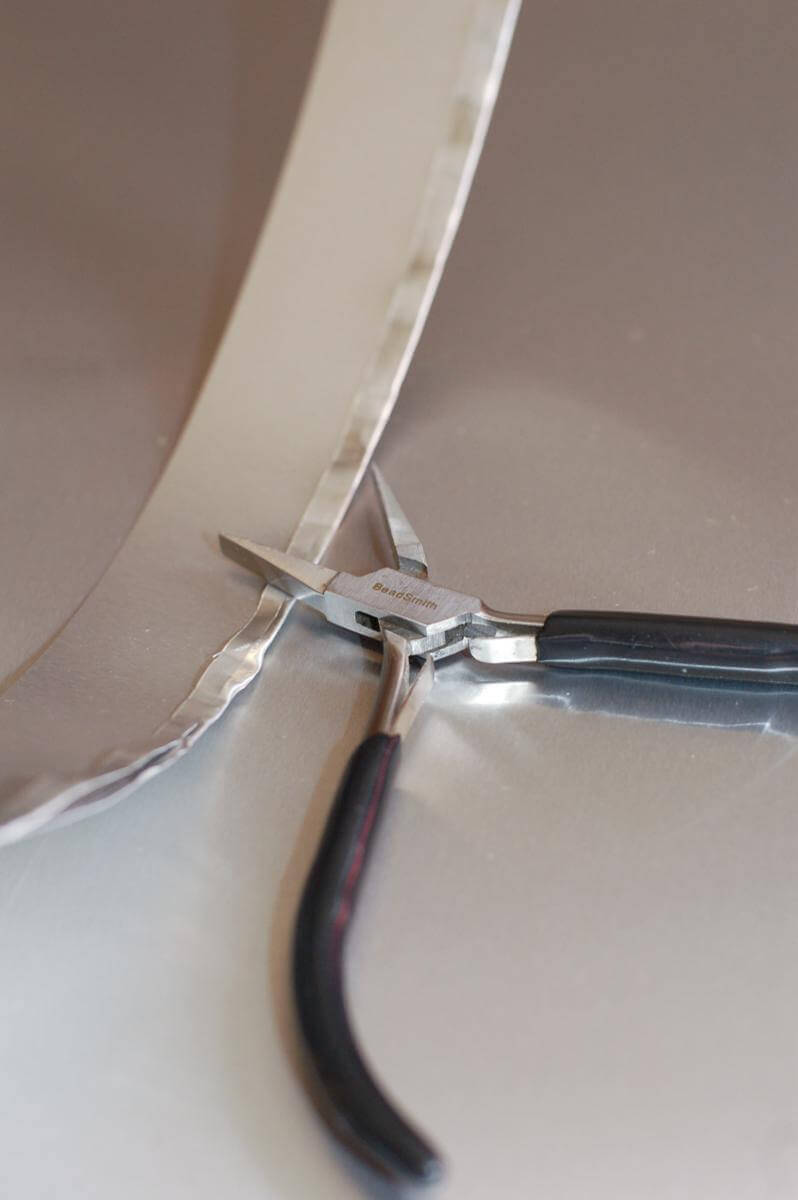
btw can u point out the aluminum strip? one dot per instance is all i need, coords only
(49, 798)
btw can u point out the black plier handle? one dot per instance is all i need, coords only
(354, 1104)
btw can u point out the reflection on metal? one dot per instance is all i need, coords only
(660, 699)
(237, 663)
(520, 649)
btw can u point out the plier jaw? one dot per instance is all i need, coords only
(436, 621)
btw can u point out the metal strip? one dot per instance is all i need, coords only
(49, 799)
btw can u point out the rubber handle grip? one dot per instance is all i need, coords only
(690, 647)
(353, 1103)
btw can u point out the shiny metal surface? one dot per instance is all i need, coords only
(518, 648)
(409, 555)
(394, 681)
(433, 620)
(437, 617)
(394, 689)
(457, 59)
(292, 575)
(582, 915)
(401, 720)
(436, 621)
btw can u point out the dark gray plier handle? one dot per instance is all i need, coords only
(657, 644)
(354, 1104)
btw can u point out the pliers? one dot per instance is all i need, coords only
(420, 623)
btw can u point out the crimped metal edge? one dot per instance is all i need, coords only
(52, 799)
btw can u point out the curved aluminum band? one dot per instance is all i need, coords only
(49, 798)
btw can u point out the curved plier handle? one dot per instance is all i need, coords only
(351, 1099)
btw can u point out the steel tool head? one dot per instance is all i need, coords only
(408, 552)
(294, 576)
(435, 621)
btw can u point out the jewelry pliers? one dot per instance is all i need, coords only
(419, 623)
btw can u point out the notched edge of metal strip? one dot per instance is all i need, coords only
(49, 800)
